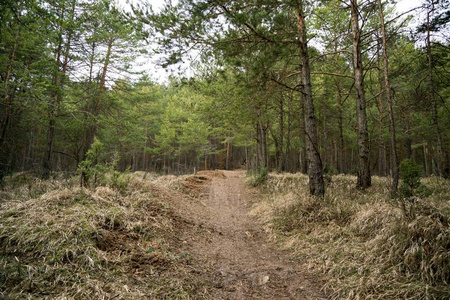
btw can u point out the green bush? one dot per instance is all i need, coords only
(94, 170)
(410, 173)
(117, 180)
(411, 189)
(259, 177)
(91, 168)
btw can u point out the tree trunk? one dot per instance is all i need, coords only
(6, 96)
(51, 113)
(364, 178)
(95, 110)
(394, 166)
(56, 95)
(340, 101)
(262, 145)
(280, 150)
(5, 152)
(407, 143)
(425, 160)
(227, 161)
(381, 146)
(288, 143)
(315, 172)
(441, 157)
(340, 148)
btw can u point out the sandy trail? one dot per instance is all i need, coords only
(242, 262)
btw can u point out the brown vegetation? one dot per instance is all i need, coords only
(59, 240)
(167, 237)
(368, 246)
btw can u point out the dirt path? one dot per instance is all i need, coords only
(242, 263)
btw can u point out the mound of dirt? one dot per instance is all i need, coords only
(216, 173)
(194, 185)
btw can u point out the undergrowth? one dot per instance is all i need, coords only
(364, 242)
(61, 241)
(256, 178)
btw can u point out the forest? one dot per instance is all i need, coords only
(326, 89)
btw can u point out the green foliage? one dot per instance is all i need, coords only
(96, 170)
(91, 168)
(258, 177)
(410, 173)
(117, 180)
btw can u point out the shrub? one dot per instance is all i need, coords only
(258, 177)
(410, 173)
(117, 180)
(94, 170)
(91, 168)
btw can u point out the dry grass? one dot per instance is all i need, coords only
(365, 243)
(58, 241)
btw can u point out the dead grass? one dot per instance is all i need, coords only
(59, 241)
(363, 241)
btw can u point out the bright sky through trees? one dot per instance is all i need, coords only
(161, 75)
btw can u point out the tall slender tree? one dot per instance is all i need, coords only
(364, 178)
(315, 169)
(64, 29)
(441, 155)
(394, 167)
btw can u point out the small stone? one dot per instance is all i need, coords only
(264, 280)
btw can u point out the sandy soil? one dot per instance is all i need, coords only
(234, 249)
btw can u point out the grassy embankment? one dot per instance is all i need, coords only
(367, 245)
(60, 241)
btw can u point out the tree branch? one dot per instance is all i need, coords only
(332, 74)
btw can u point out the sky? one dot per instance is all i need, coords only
(161, 75)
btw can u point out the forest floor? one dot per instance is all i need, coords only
(213, 236)
(243, 263)
(163, 237)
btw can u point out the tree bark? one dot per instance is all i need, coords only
(92, 127)
(381, 146)
(51, 113)
(394, 166)
(227, 160)
(425, 160)
(280, 150)
(315, 171)
(441, 157)
(56, 95)
(407, 143)
(340, 145)
(6, 96)
(5, 151)
(364, 179)
(262, 145)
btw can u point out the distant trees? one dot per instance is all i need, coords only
(43, 43)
